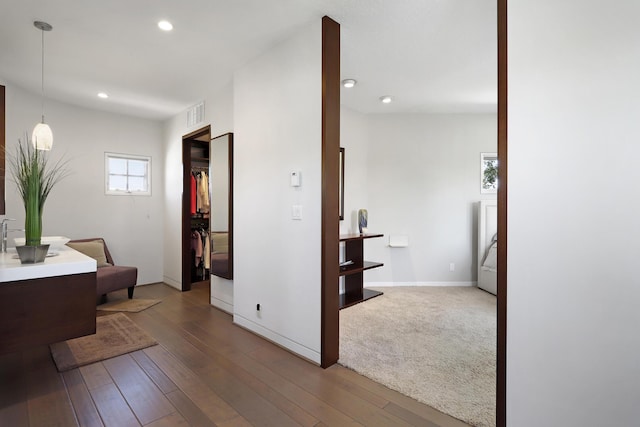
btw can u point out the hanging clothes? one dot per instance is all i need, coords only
(203, 192)
(198, 195)
(193, 195)
(196, 245)
(207, 251)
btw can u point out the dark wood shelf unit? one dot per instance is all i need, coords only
(349, 237)
(353, 273)
(351, 269)
(347, 300)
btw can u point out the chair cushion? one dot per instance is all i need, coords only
(114, 277)
(94, 249)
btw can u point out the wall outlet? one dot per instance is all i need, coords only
(452, 266)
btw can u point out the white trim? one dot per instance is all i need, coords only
(222, 305)
(174, 284)
(396, 284)
(283, 341)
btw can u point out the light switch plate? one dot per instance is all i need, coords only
(296, 211)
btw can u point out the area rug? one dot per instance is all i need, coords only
(128, 305)
(115, 335)
(434, 344)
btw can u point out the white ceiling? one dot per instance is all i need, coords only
(429, 55)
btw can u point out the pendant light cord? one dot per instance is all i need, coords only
(42, 74)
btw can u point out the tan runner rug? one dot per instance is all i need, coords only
(116, 334)
(128, 305)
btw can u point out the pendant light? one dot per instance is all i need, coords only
(42, 137)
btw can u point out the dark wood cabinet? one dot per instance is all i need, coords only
(354, 291)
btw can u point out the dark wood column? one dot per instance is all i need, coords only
(330, 207)
(2, 149)
(501, 362)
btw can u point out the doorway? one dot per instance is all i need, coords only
(195, 209)
(330, 257)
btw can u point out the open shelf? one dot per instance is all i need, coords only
(347, 300)
(353, 273)
(367, 265)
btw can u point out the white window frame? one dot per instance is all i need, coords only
(109, 192)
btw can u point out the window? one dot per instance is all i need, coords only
(127, 174)
(489, 172)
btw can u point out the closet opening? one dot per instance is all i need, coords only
(196, 209)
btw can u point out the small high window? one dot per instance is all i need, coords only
(127, 174)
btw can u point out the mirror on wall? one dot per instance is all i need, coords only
(221, 189)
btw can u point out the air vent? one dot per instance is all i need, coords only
(195, 114)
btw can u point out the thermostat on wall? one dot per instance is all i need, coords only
(295, 179)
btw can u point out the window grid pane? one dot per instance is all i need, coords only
(127, 175)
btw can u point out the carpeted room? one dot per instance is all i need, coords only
(434, 344)
(424, 190)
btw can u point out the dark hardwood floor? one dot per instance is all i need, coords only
(205, 372)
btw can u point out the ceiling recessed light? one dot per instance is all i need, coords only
(103, 95)
(165, 25)
(385, 99)
(349, 83)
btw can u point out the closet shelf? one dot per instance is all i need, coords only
(200, 160)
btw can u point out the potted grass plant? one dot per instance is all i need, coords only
(35, 177)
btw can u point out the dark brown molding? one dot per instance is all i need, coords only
(501, 362)
(3, 148)
(330, 317)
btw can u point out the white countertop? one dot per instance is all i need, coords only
(68, 261)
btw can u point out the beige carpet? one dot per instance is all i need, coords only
(128, 305)
(116, 334)
(434, 344)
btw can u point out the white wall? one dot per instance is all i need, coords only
(219, 114)
(574, 236)
(77, 207)
(277, 121)
(354, 138)
(417, 175)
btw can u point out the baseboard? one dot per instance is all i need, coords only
(222, 305)
(395, 284)
(174, 284)
(278, 339)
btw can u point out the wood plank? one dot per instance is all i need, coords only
(199, 356)
(48, 401)
(216, 409)
(143, 396)
(189, 410)
(112, 407)
(248, 402)
(410, 417)
(83, 405)
(151, 369)
(280, 392)
(172, 420)
(313, 379)
(253, 407)
(95, 375)
(405, 402)
(257, 406)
